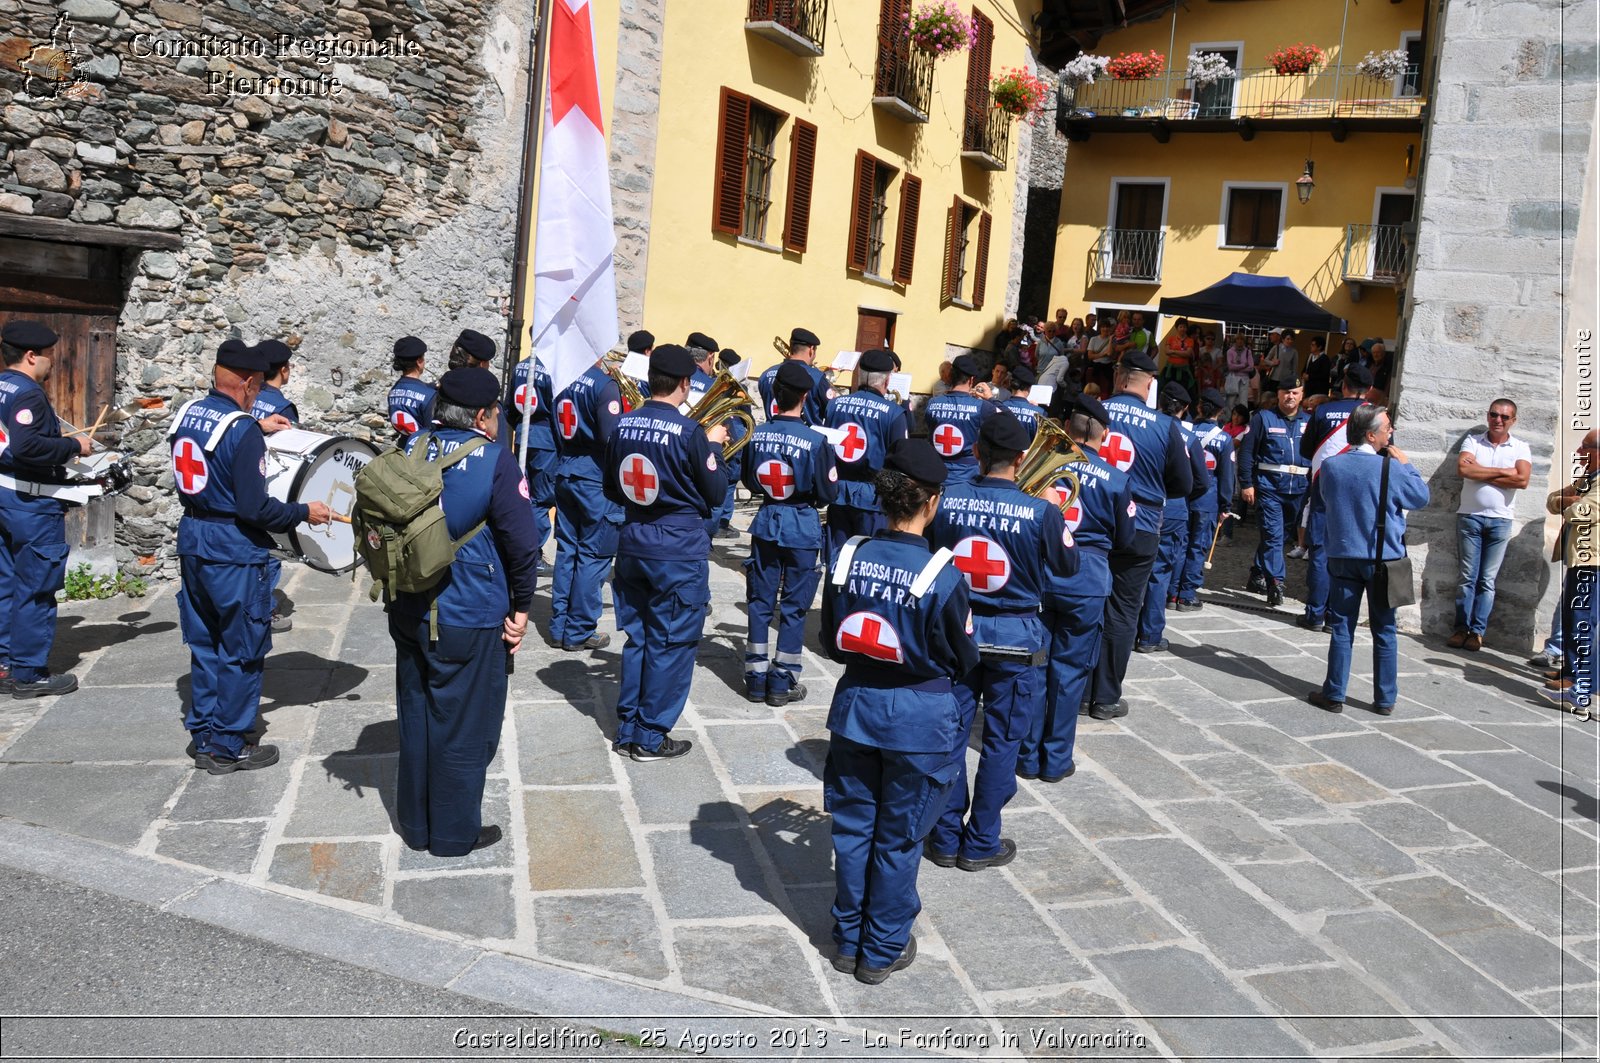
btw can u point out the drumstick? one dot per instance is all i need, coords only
(92, 429)
(339, 518)
(1215, 537)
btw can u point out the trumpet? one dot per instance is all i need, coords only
(632, 394)
(725, 399)
(1048, 459)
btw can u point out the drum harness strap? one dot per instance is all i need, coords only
(919, 586)
(218, 430)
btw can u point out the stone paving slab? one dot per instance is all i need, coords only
(1225, 850)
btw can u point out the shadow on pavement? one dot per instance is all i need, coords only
(810, 754)
(1229, 662)
(294, 678)
(798, 839)
(75, 639)
(1583, 804)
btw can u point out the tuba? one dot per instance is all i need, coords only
(725, 399)
(632, 394)
(1048, 459)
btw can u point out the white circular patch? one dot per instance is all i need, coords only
(776, 479)
(1066, 537)
(263, 465)
(872, 636)
(615, 407)
(984, 563)
(522, 487)
(525, 395)
(1117, 449)
(24, 416)
(639, 480)
(853, 446)
(1211, 461)
(949, 440)
(833, 475)
(404, 422)
(189, 470)
(711, 462)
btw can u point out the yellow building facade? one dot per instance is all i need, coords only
(1170, 185)
(810, 169)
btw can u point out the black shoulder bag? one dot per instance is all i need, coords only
(1393, 580)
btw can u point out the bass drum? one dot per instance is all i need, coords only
(311, 467)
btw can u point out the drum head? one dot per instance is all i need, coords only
(328, 475)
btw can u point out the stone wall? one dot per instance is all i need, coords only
(1505, 155)
(1045, 167)
(635, 105)
(337, 222)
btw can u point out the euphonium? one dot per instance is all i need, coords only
(1049, 459)
(632, 393)
(725, 399)
(780, 345)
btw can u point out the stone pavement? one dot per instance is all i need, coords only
(1231, 872)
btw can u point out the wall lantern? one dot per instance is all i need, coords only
(1304, 185)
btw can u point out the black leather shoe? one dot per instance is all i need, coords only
(1152, 647)
(936, 857)
(844, 964)
(1309, 624)
(1327, 628)
(1383, 710)
(1257, 583)
(598, 641)
(669, 749)
(49, 686)
(1322, 701)
(5, 681)
(1069, 773)
(1274, 593)
(876, 975)
(794, 693)
(486, 837)
(1189, 605)
(1114, 711)
(1007, 853)
(755, 699)
(250, 758)
(1027, 774)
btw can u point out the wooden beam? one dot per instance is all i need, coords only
(1247, 130)
(71, 232)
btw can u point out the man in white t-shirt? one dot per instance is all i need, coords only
(1493, 467)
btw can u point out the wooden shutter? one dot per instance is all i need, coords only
(952, 249)
(905, 243)
(802, 167)
(979, 63)
(733, 138)
(893, 48)
(980, 269)
(858, 250)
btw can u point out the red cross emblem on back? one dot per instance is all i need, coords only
(1118, 450)
(5, 440)
(523, 395)
(189, 467)
(1073, 515)
(777, 478)
(404, 421)
(984, 563)
(854, 443)
(870, 635)
(1211, 461)
(567, 418)
(949, 439)
(639, 479)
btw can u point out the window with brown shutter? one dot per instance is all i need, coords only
(979, 68)
(760, 156)
(733, 134)
(858, 250)
(956, 243)
(802, 168)
(980, 268)
(905, 243)
(1253, 215)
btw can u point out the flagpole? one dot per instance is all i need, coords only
(532, 123)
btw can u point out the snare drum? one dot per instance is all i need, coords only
(311, 467)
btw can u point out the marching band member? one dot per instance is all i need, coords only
(1022, 380)
(664, 470)
(1213, 495)
(474, 350)
(871, 423)
(790, 468)
(803, 344)
(272, 407)
(1270, 460)
(1167, 571)
(410, 400)
(33, 523)
(530, 388)
(1007, 544)
(955, 417)
(704, 350)
(896, 615)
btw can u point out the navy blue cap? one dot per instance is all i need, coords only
(967, 366)
(729, 357)
(409, 348)
(1139, 361)
(476, 345)
(1172, 391)
(1024, 377)
(702, 341)
(876, 360)
(274, 352)
(917, 459)
(471, 387)
(236, 354)
(1090, 405)
(1358, 376)
(640, 341)
(1005, 432)
(794, 375)
(1213, 398)
(29, 335)
(803, 337)
(671, 360)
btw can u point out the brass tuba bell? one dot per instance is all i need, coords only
(1048, 459)
(725, 399)
(632, 394)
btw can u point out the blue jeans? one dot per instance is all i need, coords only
(1553, 645)
(1481, 546)
(1350, 579)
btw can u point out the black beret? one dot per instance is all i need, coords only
(803, 337)
(1172, 391)
(274, 352)
(729, 357)
(896, 359)
(409, 348)
(471, 387)
(794, 375)
(236, 354)
(1290, 385)
(29, 335)
(1024, 377)
(1139, 361)
(917, 459)
(702, 341)
(967, 365)
(1358, 376)
(671, 360)
(640, 341)
(476, 345)
(1213, 398)
(1005, 432)
(876, 360)
(1090, 405)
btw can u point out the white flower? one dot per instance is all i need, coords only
(1383, 65)
(1208, 67)
(1084, 69)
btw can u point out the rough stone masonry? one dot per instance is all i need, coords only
(335, 222)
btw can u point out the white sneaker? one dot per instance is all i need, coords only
(1298, 553)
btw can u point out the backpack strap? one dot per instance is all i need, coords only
(841, 565)
(462, 452)
(930, 572)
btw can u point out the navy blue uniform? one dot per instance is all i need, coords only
(33, 537)
(271, 401)
(410, 407)
(225, 604)
(1213, 496)
(1101, 520)
(1147, 445)
(586, 414)
(1171, 555)
(1024, 411)
(541, 470)
(814, 412)
(897, 617)
(733, 467)
(953, 422)
(1324, 437)
(660, 467)
(790, 468)
(1007, 545)
(1271, 463)
(870, 422)
(450, 692)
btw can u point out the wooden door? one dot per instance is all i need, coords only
(1136, 241)
(874, 328)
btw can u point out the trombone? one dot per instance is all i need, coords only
(1049, 459)
(632, 395)
(725, 399)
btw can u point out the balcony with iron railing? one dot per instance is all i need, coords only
(903, 84)
(986, 137)
(1127, 255)
(798, 25)
(1332, 97)
(1375, 255)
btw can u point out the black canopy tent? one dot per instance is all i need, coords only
(1251, 299)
